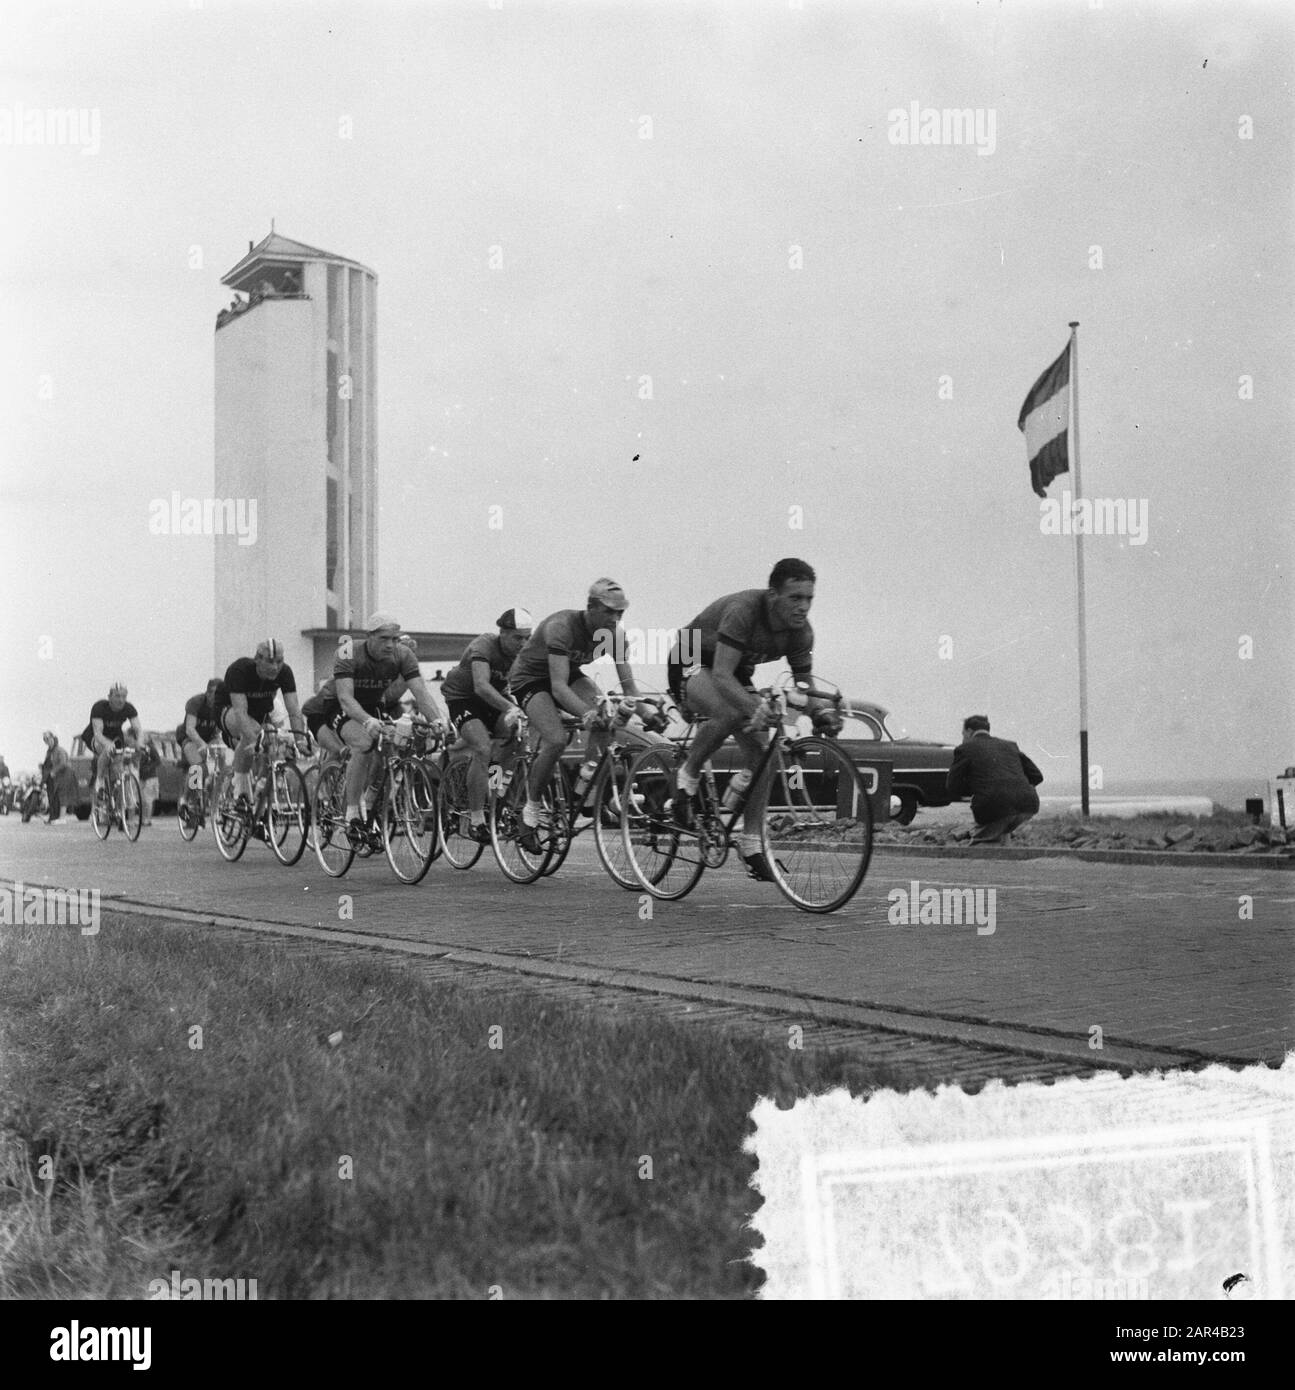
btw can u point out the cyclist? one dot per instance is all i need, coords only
(546, 677)
(479, 707)
(324, 715)
(362, 679)
(114, 723)
(200, 725)
(245, 697)
(711, 667)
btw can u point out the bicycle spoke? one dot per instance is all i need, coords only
(817, 827)
(664, 858)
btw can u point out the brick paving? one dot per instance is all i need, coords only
(1156, 956)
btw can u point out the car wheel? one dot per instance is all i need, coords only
(903, 805)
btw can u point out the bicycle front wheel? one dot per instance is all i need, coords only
(409, 822)
(816, 832)
(608, 799)
(561, 822)
(132, 804)
(507, 828)
(333, 847)
(188, 814)
(664, 858)
(100, 810)
(287, 816)
(460, 849)
(229, 827)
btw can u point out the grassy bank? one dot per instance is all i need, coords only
(404, 1158)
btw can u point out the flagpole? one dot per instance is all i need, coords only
(1079, 575)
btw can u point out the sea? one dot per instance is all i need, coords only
(1231, 793)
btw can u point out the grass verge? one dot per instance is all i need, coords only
(343, 1129)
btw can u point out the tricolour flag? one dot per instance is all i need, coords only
(1044, 418)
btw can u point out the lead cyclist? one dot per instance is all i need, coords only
(710, 670)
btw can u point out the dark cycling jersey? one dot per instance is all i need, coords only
(242, 678)
(458, 684)
(114, 720)
(370, 676)
(204, 712)
(743, 621)
(564, 633)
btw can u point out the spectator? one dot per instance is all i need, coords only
(55, 771)
(148, 761)
(998, 777)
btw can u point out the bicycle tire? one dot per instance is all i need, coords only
(562, 828)
(132, 804)
(187, 817)
(460, 850)
(328, 827)
(100, 812)
(287, 813)
(816, 829)
(608, 842)
(229, 828)
(409, 822)
(665, 860)
(516, 863)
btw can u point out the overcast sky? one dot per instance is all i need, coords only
(797, 287)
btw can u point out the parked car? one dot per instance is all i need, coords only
(901, 774)
(919, 767)
(170, 775)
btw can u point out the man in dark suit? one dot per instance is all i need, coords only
(998, 777)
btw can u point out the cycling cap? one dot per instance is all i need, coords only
(382, 622)
(269, 649)
(610, 593)
(514, 620)
(116, 688)
(407, 639)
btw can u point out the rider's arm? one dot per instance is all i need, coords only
(346, 698)
(724, 671)
(291, 704)
(134, 730)
(238, 701)
(429, 705)
(191, 728)
(484, 691)
(564, 697)
(97, 726)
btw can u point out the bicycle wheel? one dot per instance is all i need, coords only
(460, 850)
(229, 826)
(333, 847)
(100, 810)
(664, 859)
(409, 822)
(132, 804)
(287, 815)
(561, 823)
(816, 832)
(609, 795)
(188, 816)
(506, 827)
